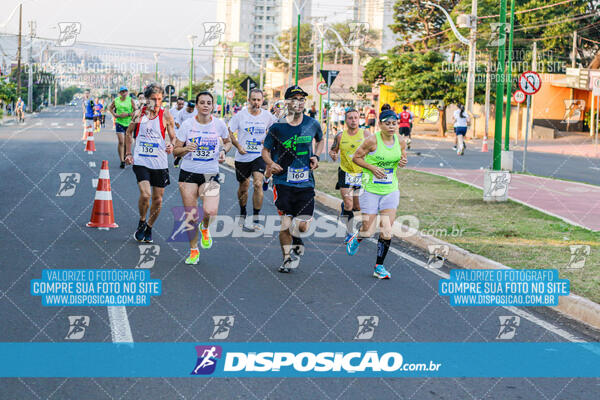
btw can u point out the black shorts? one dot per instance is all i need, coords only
(405, 130)
(371, 122)
(96, 118)
(243, 170)
(294, 201)
(120, 128)
(341, 182)
(198, 179)
(156, 177)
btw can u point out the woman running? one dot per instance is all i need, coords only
(379, 156)
(461, 122)
(202, 142)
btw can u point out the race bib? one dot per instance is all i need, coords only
(204, 152)
(353, 179)
(253, 146)
(148, 149)
(297, 175)
(389, 177)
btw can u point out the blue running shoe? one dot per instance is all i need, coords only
(139, 233)
(148, 234)
(352, 246)
(381, 273)
(266, 184)
(347, 238)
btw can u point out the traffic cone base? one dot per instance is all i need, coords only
(103, 215)
(90, 145)
(484, 145)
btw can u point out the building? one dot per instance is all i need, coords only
(247, 21)
(379, 14)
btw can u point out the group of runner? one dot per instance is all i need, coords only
(283, 145)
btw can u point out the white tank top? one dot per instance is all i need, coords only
(150, 145)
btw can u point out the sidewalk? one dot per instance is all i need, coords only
(574, 203)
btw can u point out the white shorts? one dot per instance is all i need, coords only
(371, 203)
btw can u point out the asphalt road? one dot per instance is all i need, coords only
(320, 301)
(435, 154)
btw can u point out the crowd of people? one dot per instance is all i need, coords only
(280, 147)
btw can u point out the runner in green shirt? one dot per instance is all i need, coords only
(122, 108)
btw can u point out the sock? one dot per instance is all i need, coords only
(255, 212)
(383, 245)
(349, 214)
(243, 210)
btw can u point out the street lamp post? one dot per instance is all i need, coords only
(156, 66)
(500, 89)
(299, 8)
(509, 77)
(191, 38)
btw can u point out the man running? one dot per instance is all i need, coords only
(175, 111)
(149, 157)
(201, 142)
(251, 125)
(379, 156)
(122, 109)
(288, 153)
(349, 180)
(97, 115)
(88, 114)
(405, 123)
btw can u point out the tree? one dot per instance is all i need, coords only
(305, 54)
(234, 81)
(343, 28)
(375, 70)
(65, 95)
(197, 87)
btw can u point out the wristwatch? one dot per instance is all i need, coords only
(318, 158)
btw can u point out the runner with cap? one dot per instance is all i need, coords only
(288, 152)
(405, 123)
(149, 157)
(122, 109)
(201, 142)
(349, 180)
(379, 156)
(88, 114)
(251, 125)
(175, 111)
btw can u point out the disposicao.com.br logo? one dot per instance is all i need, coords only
(290, 364)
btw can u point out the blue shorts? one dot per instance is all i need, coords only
(120, 128)
(460, 130)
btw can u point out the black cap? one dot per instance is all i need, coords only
(191, 104)
(386, 115)
(292, 90)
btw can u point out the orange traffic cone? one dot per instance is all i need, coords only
(484, 145)
(90, 146)
(103, 215)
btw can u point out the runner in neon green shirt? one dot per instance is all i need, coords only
(379, 156)
(122, 108)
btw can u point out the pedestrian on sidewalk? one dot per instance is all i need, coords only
(461, 122)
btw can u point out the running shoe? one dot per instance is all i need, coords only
(298, 247)
(193, 258)
(289, 264)
(380, 272)
(148, 234)
(352, 245)
(206, 241)
(408, 144)
(266, 184)
(347, 238)
(122, 166)
(139, 233)
(454, 148)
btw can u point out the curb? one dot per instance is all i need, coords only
(573, 306)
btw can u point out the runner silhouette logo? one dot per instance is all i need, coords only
(148, 254)
(223, 324)
(208, 357)
(185, 223)
(77, 326)
(508, 327)
(366, 326)
(68, 183)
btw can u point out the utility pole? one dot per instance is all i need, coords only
(315, 39)
(30, 77)
(263, 45)
(509, 77)
(472, 58)
(355, 59)
(191, 38)
(574, 54)
(488, 84)
(499, 88)
(156, 67)
(19, 51)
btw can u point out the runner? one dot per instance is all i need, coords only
(251, 125)
(379, 156)
(371, 118)
(201, 142)
(190, 111)
(461, 122)
(175, 111)
(288, 151)
(97, 115)
(20, 110)
(349, 180)
(279, 112)
(405, 123)
(149, 157)
(88, 114)
(122, 108)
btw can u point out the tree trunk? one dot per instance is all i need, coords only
(442, 121)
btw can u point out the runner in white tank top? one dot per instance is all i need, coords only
(202, 143)
(149, 157)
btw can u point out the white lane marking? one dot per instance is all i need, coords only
(94, 182)
(38, 123)
(92, 164)
(69, 124)
(53, 123)
(522, 313)
(120, 330)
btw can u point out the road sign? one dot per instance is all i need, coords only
(596, 87)
(322, 87)
(329, 75)
(530, 82)
(519, 96)
(230, 94)
(170, 90)
(247, 81)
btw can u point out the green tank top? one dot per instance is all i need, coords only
(123, 107)
(387, 158)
